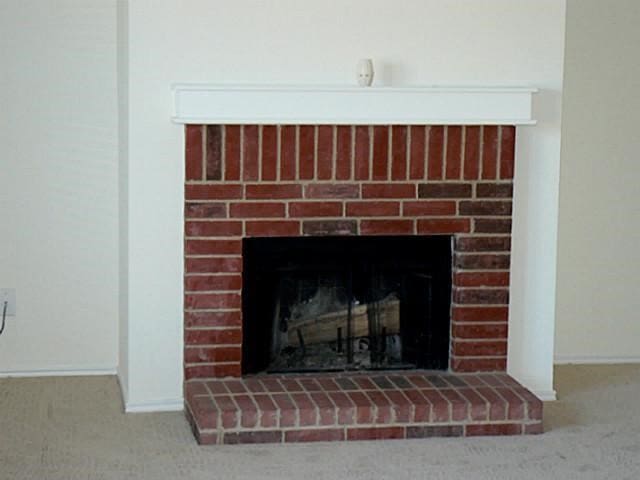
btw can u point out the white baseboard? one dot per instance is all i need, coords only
(124, 392)
(162, 405)
(166, 405)
(60, 371)
(594, 360)
(545, 395)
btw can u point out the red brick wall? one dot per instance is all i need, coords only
(250, 180)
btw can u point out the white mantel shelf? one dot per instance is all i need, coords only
(304, 105)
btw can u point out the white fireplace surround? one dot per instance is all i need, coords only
(532, 298)
(452, 105)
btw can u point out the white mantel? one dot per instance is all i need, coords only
(263, 104)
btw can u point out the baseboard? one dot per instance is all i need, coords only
(60, 371)
(124, 392)
(162, 405)
(545, 395)
(593, 360)
(166, 405)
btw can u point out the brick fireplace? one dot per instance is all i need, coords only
(245, 181)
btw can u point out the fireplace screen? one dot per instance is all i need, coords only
(346, 303)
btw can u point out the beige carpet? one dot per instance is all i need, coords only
(73, 428)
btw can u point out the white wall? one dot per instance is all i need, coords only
(58, 184)
(599, 259)
(494, 42)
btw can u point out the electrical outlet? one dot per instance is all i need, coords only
(8, 295)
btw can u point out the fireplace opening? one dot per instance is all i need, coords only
(346, 303)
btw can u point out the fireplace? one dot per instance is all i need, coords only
(346, 303)
(350, 251)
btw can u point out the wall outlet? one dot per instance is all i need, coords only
(8, 295)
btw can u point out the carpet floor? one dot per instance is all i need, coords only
(73, 428)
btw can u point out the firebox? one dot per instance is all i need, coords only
(346, 303)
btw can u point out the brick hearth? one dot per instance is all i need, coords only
(276, 180)
(392, 405)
